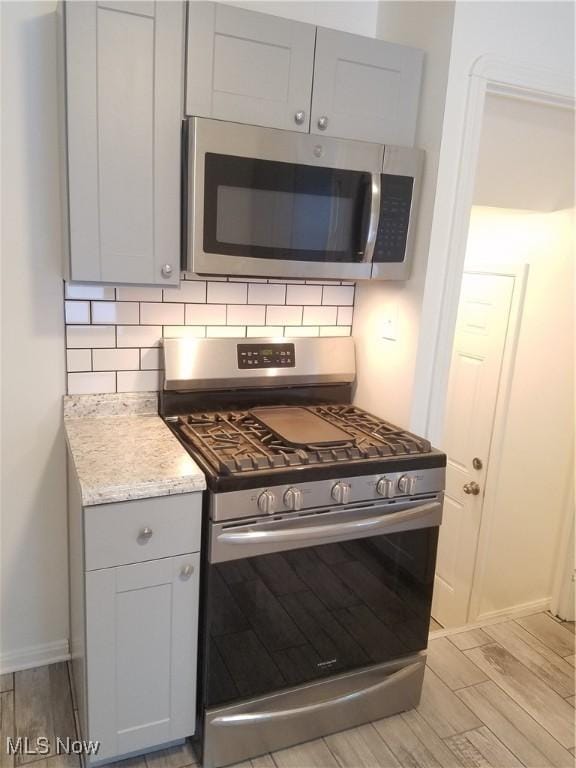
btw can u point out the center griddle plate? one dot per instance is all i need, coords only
(301, 427)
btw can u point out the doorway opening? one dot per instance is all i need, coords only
(509, 416)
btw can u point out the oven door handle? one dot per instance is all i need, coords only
(370, 524)
(256, 718)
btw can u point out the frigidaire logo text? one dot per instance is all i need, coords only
(22, 745)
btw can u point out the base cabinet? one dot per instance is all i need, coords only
(134, 601)
(141, 629)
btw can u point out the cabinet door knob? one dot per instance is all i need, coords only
(186, 571)
(167, 270)
(299, 117)
(323, 123)
(145, 534)
(472, 488)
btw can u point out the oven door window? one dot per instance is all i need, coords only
(293, 617)
(265, 209)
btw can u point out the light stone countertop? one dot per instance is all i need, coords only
(125, 457)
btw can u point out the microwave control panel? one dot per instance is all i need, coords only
(395, 205)
(266, 356)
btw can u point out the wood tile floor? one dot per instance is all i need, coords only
(497, 697)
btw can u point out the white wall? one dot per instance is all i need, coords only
(536, 464)
(34, 603)
(539, 34)
(386, 367)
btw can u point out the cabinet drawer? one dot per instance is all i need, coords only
(146, 529)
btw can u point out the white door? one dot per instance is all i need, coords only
(142, 627)
(249, 67)
(365, 89)
(124, 89)
(481, 328)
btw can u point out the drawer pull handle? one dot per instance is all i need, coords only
(145, 534)
(186, 571)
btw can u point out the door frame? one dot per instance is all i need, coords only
(519, 272)
(489, 75)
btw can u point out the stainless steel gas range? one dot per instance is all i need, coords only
(320, 535)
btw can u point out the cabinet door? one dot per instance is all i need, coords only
(248, 67)
(124, 83)
(365, 89)
(141, 629)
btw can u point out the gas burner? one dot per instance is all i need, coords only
(235, 442)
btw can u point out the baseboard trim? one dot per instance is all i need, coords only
(34, 656)
(497, 617)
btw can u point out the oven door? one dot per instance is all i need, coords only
(295, 600)
(276, 204)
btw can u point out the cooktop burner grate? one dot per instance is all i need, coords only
(237, 442)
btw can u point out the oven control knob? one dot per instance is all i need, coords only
(341, 493)
(266, 502)
(407, 484)
(293, 499)
(385, 488)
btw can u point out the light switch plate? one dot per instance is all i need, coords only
(389, 322)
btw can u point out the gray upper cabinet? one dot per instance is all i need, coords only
(249, 67)
(124, 91)
(365, 89)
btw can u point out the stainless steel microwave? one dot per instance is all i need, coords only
(263, 202)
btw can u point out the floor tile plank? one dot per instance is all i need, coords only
(443, 710)
(570, 626)
(265, 761)
(313, 754)
(472, 638)
(481, 748)
(437, 747)
(43, 706)
(7, 682)
(361, 748)
(451, 665)
(570, 660)
(435, 625)
(6, 727)
(539, 658)
(570, 700)
(550, 632)
(514, 727)
(175, 757)
(540, 701)
(404, 743)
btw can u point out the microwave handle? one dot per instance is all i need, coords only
(376, 187)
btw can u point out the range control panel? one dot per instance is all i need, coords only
(266, 356)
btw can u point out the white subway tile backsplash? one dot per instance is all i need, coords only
(192, 291)
(304, 294)
(161, 314)
(138, 381)
(319, 316)
(205, 314)
(115, 312)
(302, 330)
(225, 331)
(113, 335)
(227, 293)
(345, 315)
(338, 294)
(184, 331)
(264, 331)
(78, 360)
(136, 293)
(246, 314)
(259, 293)
(284, 315)
(77, 311)
(115, 359)
(82, 336)
(151, 359)
(91, 383)
(82, 291)
(335, 330)
(138, 336)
